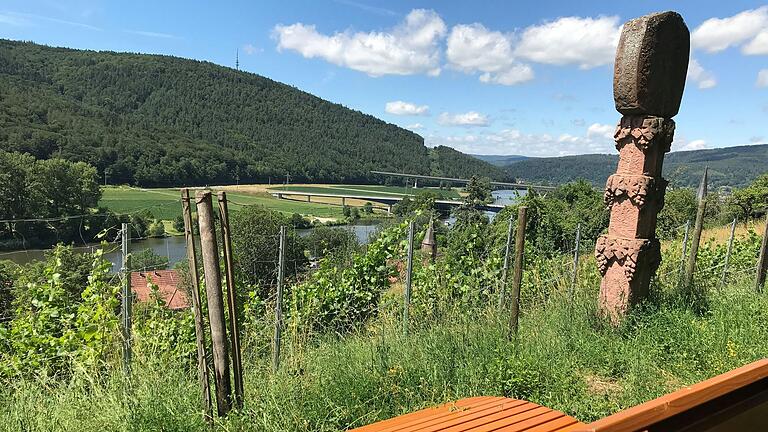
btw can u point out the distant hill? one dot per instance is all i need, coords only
(164, 121)
(730, 166)
(501, 160)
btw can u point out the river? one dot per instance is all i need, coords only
(174, 248)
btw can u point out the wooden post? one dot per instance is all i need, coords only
(197, 310)
(575, 263)
(234, 327)
(127, 300)
(517, 276)
(210, 251)
(279, 301)
(728, 253)
(685, 247)
(505, 268)
(702, 196)
(408, 273)
(762, 262)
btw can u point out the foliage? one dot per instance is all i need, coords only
(147, 259)
(297, 221)
(478, 192)
(679, 208)
(325, 240)
(751, 201)
(48, 189)
(157, 120)
(255, 245)
(336, 299)
(728, 167)
(162, 333)
(50, 331)
(7, 276)
(423, 201)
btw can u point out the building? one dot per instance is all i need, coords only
(169, 287)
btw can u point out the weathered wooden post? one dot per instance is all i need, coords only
(649, 77)
(728, 253)
(517, 275)
(210, 251)
(126, 301)
(762, 262)
(279, 301)
(234, 327)
(685, 248)
(429, 244)
(505, 268)
(197, 310)
(408, 273)
(697, 228)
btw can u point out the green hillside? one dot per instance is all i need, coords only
(731, 166)
(164, 121)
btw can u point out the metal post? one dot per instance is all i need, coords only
(762, 262)
(234, 327)
(127, 300)
(702, 196)
(408, 273)
(197, 310)
(728, 252)
(279, 301)
(210, 251)
(505, 268)
(517, 276)
(575, 263)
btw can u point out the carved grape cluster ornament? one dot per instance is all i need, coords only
(645, 132)
(635, 188)
(627, 253)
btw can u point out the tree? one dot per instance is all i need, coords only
(146, 260)
(751, 201)
(255, 243)
(478, 192)
(325, 240)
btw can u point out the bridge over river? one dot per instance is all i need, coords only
(389, 201)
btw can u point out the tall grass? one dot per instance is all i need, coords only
(565, 357)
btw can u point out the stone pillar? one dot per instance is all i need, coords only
(429, 244)
(649, 77)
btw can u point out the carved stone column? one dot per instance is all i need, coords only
(649, 77)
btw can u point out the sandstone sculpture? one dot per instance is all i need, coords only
(649, 77)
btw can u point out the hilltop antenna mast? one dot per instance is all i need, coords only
(237, 58)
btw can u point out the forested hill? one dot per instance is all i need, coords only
(157, 120)
(731, 166)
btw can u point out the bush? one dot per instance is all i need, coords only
(147, 259)
(325, 240)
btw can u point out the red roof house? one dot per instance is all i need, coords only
(168, 283)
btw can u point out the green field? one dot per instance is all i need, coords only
(352, 190)
(166, 203)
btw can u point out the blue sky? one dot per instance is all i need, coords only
(493, 77)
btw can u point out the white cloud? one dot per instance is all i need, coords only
(698, 144)
(758, 45)
(415, 126)
(471, 118)
(406, 108)
(703, 78)
(513, 141)
(717, 34)
(762, 78)
(153, 34)
(410, 48)
(587, 42)
(473, 48)
(597, 130)
(251, 49)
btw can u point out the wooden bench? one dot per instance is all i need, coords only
(734, 401)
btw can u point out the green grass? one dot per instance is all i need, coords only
(566, 358)
(165, 203)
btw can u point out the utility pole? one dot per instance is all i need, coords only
(279, 301)
(762, 262)
(728, 252)
(408, 272)
(702, 196)
(517, 276)
(210, 250)
(127, 299)
(234, 328)
(197, 310)
(505, 268)
(575, 263)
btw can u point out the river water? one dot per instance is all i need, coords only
(174, 248)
